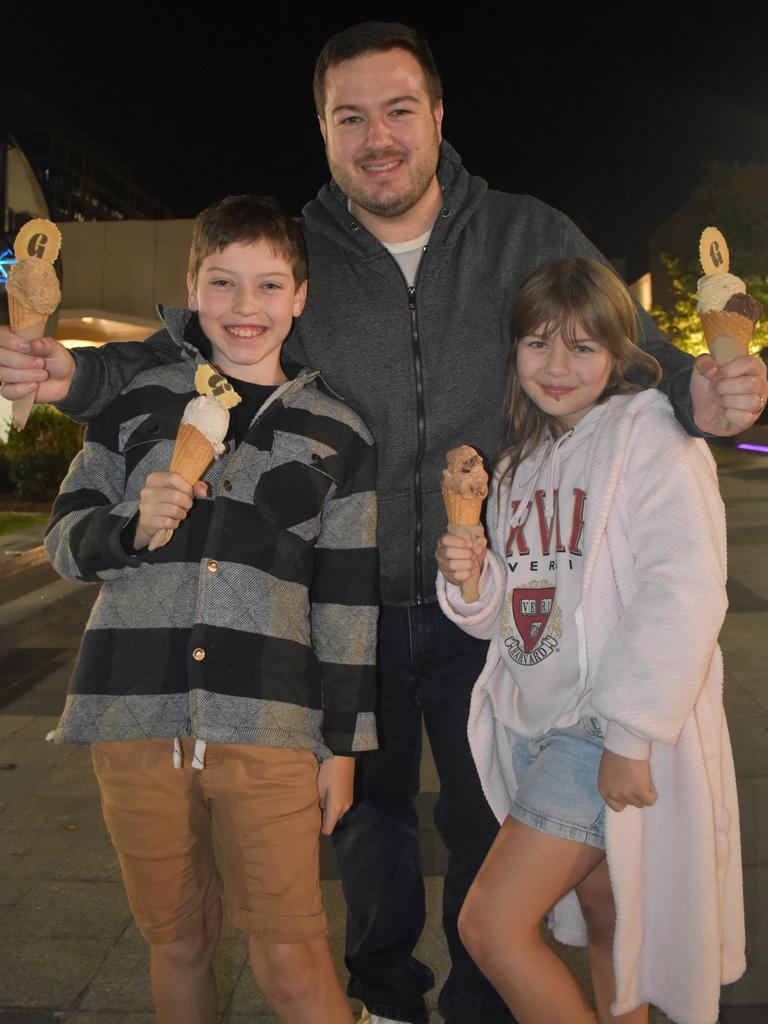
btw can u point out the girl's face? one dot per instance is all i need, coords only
(563, 382)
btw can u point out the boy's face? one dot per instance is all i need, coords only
(246, 297)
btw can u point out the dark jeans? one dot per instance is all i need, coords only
(427, 669)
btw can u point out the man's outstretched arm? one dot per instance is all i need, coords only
(81, 382)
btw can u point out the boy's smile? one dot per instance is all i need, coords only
(564, 382)
(246, 298)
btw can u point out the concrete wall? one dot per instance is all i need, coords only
(125, 267)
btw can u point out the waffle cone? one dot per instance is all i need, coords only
(727, 334)
(28, 324)
(462, 511)
(23, 319)
(192, 454)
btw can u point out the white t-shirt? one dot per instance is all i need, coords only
(408, 255)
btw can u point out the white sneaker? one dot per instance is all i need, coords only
(366, 1017)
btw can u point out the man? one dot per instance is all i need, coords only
(426, 261)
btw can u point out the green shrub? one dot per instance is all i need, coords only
(37, 457)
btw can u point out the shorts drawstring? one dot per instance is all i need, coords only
(198, 756)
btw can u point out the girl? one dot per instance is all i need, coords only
(604, 595)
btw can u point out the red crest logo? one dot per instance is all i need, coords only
(531, 609)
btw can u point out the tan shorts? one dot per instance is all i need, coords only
(264, 804)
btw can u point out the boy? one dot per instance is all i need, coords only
(243, 651)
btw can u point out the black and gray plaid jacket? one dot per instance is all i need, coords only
(257, 622)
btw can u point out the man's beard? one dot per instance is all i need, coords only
(387, 204)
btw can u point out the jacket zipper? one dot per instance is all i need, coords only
(421, 441)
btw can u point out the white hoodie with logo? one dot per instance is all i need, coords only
(640, 629)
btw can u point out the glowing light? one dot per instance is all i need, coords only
(87, 319)
(6, 260)
(753, 447)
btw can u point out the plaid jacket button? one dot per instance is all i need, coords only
(213, 566)
(198, 654)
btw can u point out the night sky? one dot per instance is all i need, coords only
(611, 125)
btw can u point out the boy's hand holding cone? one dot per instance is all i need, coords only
(465, 488)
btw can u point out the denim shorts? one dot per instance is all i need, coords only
(557, 782)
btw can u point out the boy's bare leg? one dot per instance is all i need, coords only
(183, 982)
(299, 981)
(596, 899)
(524, 875)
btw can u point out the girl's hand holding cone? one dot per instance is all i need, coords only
(460, 559)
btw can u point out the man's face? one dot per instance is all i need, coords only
(382, 134)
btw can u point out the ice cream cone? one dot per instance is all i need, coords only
(728, 335)
(192, 454)
(23, 319)
(462, 511)
(465, 487)
(28, 324)
(33, 291)
(201, 433)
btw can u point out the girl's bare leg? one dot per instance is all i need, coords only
(524, 875)
(596, 899)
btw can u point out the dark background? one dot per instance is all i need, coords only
(608, 115)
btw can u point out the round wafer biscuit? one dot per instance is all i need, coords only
(39, 239)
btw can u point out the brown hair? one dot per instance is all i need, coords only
(375, 37)
(572, 297)
(248, 219)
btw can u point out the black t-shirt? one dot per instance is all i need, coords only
(253, 397)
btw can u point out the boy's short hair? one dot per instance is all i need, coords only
(375, 37)
(248, 219)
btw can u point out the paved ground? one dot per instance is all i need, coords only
(68, 949)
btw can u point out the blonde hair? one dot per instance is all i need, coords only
(572, 298)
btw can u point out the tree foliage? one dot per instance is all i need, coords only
(34, 461)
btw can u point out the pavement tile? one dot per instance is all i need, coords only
(99, 1017)
(83, 910)
(749, 738)
(755, 684)
(753, 814)
(30, 1017)
(11, 724)
(43, 692)
(49, 811)
(65, 854)
(738, 701)
(122, 981)
(744, 1014)
(745, 656)
(755, 625)
(42, 972)
(11, 891)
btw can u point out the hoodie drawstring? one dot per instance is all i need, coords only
(551, 455)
